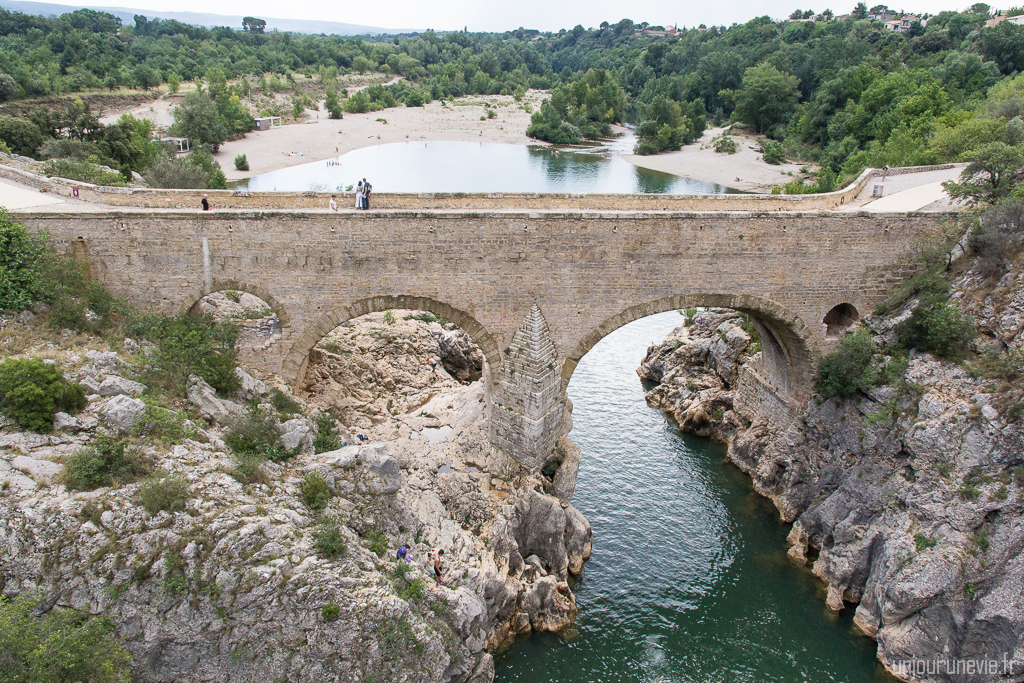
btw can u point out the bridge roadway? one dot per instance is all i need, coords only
(536, 288)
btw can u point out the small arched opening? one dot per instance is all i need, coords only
(257, 315)
(839, 319)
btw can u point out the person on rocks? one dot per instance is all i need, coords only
(205, 203)
(434, 556)
(404, 553)
(433, 364)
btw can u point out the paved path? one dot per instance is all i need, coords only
(908, 200)
(20, 197)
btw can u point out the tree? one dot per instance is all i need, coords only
(254, 25)
(796, 15)
(21, 135)
(60, 645)
(766, 97)
(985, 177)
(19, 264)
(1004, 45)
(197, 119)
(173, 82)
(860, 11)
(332, 105)
(981, 9)
(8, 88)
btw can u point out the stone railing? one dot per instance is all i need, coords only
(312, 201)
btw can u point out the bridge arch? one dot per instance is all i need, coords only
(294, 366)
(193, 299)
(789, 348)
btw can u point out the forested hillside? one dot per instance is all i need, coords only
(846, 93)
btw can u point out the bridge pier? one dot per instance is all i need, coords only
(528, 408)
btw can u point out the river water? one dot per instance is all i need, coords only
(446, 166)
(689, 580)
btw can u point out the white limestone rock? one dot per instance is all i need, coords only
(204, 397)
(249, 387)
(63, 422)
(41, 471)
(115, 386)
(122, 412)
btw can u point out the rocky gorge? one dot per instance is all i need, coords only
(287, 570)
(907, 500)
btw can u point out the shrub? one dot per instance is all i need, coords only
(330, 542)
(247, 468)
(62, 645)
(774, 153)
(256, 434)
(923, 542)
(316, 492)
(285, 405)
(85, 171)
(161, 423)
(725, 145)
(326, 436)
(999, 231)
(413, 591)
(31, 392)
(389, 317)
(190, 344)
(937, 327)
(330, 612)
(848, 368)
(378, 542)
(176, 173)
(106, 462)
(20, 252)
(241, 163)
(927, 282)
(164, 492)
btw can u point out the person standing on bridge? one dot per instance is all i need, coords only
(333, 205)
(367, 188)
(205, 203)
(359, 195)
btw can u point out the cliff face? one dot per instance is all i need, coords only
(233, 585)
(908, 502)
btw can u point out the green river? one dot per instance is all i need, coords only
(689, 580)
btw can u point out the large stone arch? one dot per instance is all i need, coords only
(224, 285)
(790, 350)
(294, 366)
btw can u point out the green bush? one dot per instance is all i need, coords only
(20, 252)
(106, 462)
(164, 492)
(848, 368)
(330, 542)
(326, 436)
(316, 492)
(378, 542)
(330, 612)
(86, 171)
(927, 282)
(725, 145)
(256, 434)
(241, 163)
(190, 344)
(412, 591)
(62, 646)
(774, 152)
(31, 392)
(938, 328)
(285, 405)
(247, 468)
(161, 423)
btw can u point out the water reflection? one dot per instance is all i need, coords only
(445, 166)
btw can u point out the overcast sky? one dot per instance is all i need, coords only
(502, 15)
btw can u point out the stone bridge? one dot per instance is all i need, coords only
(535, 289)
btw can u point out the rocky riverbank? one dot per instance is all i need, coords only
(908, 501)
(250, 578)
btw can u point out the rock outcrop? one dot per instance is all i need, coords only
(910, 500)
(233, 587)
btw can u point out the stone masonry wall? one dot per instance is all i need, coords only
(588, 272)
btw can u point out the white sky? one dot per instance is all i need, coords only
(502, 15)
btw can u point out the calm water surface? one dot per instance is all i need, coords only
(689, 579)
(443, 166)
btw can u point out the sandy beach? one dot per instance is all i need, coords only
(753, 174)
(318, 137)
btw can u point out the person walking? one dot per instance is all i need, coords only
(205, 203)
(438, 569)
(367, 188)
(333, 205)
(359, 195)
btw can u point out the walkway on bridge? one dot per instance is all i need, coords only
(920, 191)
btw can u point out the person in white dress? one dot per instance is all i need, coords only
(359, 195)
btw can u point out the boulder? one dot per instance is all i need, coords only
(122, 412)
(549, 604)
(564, 484)
(385, 473)
(249, 387)
(578, 539)
(203, 396)
(65, 423)
(115, 386)
(297, 434)
(107, 361)
(484, 671)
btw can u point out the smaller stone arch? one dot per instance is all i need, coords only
(840, 318)
(279, 310)
(294, 366)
